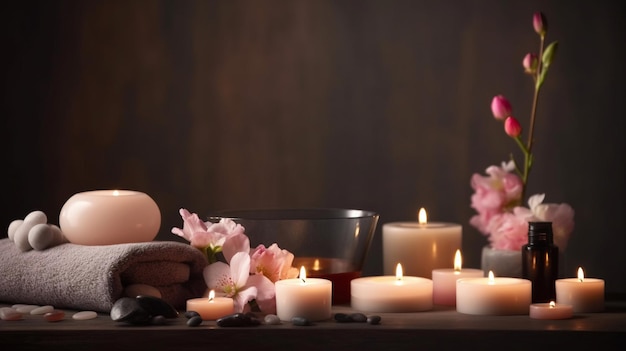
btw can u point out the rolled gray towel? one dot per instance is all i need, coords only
(94, 277)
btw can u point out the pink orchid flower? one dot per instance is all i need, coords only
(273, 262)
(499, 191)
(235, 281)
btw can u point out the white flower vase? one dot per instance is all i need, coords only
(503, 263)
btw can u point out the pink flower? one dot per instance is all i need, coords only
(540, 23)
(500, 107)
(236, 282)
(561, 216)
(273, 263)
(512, 127)
(193, 229)
(495, 194)
(530, 63)
(509, 231)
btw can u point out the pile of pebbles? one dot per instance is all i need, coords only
(48, 312)
(250, 319)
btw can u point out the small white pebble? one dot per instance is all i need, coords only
(42, 309)
(18, 305)
(7, 311)
(272, 319)
(84, 315)
(26, 308)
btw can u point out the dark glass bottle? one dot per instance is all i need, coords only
(540, 261)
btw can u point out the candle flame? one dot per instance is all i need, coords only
(492, 279)
(581, 274)
(458, 261)
(211, 295)
(422, 218)
(399, 272)
(116, 193)
(552, 304)
(303, 274)
(316, 265)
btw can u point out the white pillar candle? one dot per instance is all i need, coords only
(107, 217)
(444, 281)
(310, 298)
(584, 294)
(550, 311)
(419, 246)
(211, 308)
(396, 293)
(493, 296)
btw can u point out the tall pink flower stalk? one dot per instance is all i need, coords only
(498, 196)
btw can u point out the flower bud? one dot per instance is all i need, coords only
(530, 63)
(540, 23)
(512, 127)
(500, 107)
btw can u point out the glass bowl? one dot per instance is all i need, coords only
(330, 243)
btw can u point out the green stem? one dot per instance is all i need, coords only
(528, 148)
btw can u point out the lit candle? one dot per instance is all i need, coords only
(396, 293)
(584, 294)
(107, 217)
(310, 298)
(211, 308)
(419, 246)
(493, 296)
(550, 311)
(444, 281)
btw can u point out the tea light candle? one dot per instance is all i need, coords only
(397, 293)
(107, 217)
(211, 308)
(550, 311)
(419, 246)
(444, 281)
(310, 298)
(493, 296)
(584, 294)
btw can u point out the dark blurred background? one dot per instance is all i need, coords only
(374, 105)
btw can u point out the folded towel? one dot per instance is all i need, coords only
(94, 277)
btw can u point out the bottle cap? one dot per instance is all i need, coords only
(540, 231)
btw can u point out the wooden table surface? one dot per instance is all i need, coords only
(440, 328)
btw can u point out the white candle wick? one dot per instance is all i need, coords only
(552, 304)
(211, 295)
(492, 279)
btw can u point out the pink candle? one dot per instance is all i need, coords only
(550, 311)
(444, 281)
(211, 308)
(584, 294)
(107, 217)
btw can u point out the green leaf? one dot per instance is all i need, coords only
(546, 60)
(548, 54)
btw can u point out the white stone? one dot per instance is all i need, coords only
(42, 309)
(26, 308)
(13, 227)
(84, 315)
(40, 236)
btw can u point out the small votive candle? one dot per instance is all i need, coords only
(584, 294)
(310, 298)
(444, 281)
(493, 296)
(391, 293)
(550, 311)
(211, 308)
